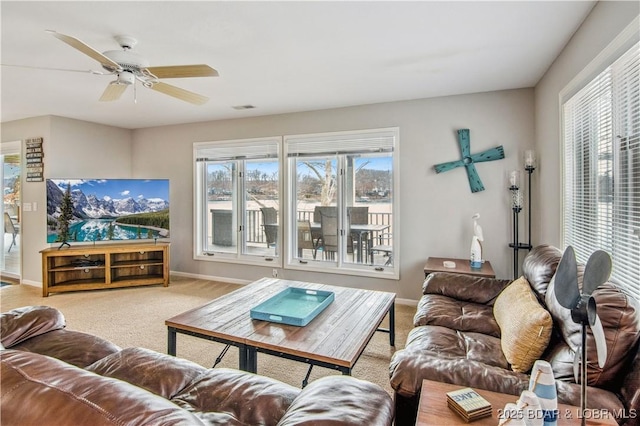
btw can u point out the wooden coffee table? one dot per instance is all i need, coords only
(335, 338)
(433, 409)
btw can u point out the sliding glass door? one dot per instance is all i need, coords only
(10, 174)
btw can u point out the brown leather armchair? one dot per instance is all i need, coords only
(456, 340)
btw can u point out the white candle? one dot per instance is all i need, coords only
(513, 178)
(529, 158)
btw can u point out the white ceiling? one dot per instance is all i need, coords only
(279, 56)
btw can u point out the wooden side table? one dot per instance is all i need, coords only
(433, 409)
(436, 264)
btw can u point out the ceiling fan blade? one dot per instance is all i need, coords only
(113, 92)
(566, 280)
(183, 71)
(596, 271)
(179, 93)
(86, 49)
(598, 332)
(55, 69)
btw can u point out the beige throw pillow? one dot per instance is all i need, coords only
(525, 325)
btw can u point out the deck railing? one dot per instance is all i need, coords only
(255, 230)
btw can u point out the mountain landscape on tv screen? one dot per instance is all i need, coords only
(89, 206)
(114, 214)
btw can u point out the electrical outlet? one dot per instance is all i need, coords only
(274, 273)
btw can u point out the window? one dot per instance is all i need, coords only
(237, 199)
(343, 194)
(602, 169)
(338, 213)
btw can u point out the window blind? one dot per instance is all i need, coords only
(249, 149)
(602, 169)
(367, 141)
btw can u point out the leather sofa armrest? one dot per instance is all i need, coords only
(340, 400)
(21, 324)
(468, 288)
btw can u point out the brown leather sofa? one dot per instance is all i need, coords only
(456, 339)
(54, 376)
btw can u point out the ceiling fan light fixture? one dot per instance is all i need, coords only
(126, 78)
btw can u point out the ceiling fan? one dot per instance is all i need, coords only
(129, 67)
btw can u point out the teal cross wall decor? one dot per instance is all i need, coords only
(468, 160)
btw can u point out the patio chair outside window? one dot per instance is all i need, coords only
(357, 216)
(385, 249)
(317, 212)
(10, 228)
(329, 231)
(305, 238)
(222, 227)
(270, 224)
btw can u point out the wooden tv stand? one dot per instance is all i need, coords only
(102, 266)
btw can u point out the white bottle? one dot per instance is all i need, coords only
(476, 253)
(543, 384)
(476, 247)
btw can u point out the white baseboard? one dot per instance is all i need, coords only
(32, 283)
(408, 302)
(210, 278)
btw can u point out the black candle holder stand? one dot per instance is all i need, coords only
(516, 245)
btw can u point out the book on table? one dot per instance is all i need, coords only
(468, 404)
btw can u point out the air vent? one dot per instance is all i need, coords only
(240, 107)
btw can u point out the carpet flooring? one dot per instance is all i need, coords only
(132, 317)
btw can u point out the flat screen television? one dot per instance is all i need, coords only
(107, 209)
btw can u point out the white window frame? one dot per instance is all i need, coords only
(343, 143)
(620, 242)
(234, 151)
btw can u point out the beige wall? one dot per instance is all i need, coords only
(72, 149)
(606, 21)
(435, 209)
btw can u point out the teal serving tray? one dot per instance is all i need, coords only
(293, 306)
